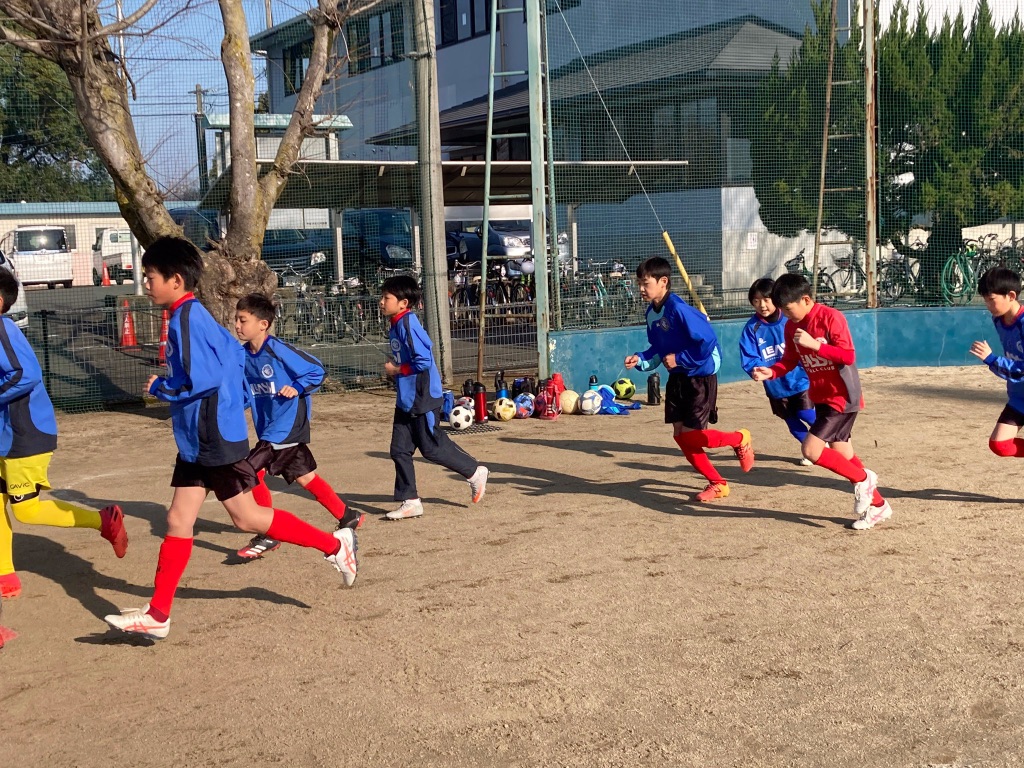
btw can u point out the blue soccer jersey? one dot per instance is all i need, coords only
(205, 387)
(679, 329)
(762, 343)
(28, 425)
(1010, 365)
(281, 420)
(418, 382)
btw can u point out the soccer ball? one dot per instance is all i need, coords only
(624, 389)
(570, 401)
(460, 418)
(504, 409)
(590, 403)
(524, 406)
(466, 402)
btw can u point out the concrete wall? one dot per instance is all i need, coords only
(889, 337)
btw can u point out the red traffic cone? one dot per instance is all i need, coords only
(105, 282)
(128, 340)
(163, 337)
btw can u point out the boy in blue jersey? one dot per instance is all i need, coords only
(418, 406)
(1000, 287)
(205, 387)
(682, 338)
(281, 380)
(28, 437)
(762, 343)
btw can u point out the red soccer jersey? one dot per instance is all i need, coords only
(831, 369)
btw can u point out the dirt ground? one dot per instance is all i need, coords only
(585, 614)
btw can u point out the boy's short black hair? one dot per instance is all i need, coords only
(403, 287)
(656, 267)
(999, 281)
(8, 289)
(258, 305)
(762, 287)
(789, 289)
(172, 256)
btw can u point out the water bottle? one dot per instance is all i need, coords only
(500, 388)
(593, 383)
(528, 386)
(479, 403)
(654, 389)
(467, 388)
(517, 387)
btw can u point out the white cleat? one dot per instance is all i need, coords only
(136, 621)
(344, 560)
(872, 517)
(478, 483)
(864, 492)
(805, 462)
(409, 508)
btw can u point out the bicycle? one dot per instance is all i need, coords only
(307, 318)
(849, 277)
(825, 289)
(898, 277)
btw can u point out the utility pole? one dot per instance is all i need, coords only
(200, 116)
(270, 14)
(535, 86)
(870, 155)
(435, 262)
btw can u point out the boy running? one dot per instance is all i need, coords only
(281, 380)
(418, 406)
(28, 437)
(1000, 287)
(205, 388)
(762, 342)
(819, 338)
(682, 338)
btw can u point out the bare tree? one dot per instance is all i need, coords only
(71, 33)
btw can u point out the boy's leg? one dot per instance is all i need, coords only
(260, 544)
(331, 501)
(436, 446)
(828, 445)
(1004, 441)
(10, 584)
(403, 445)
(691, 441)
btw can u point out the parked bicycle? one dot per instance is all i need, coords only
(849, 277)
(303, 318)
(825, 289)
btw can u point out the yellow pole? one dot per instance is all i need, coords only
(682, 270)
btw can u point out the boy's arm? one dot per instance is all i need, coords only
(414, 338)
(750, 357)
(306, 371)
(19, 369)
(790, 357)
(700, 337)
(1004, 367)
(202, 369)
(839, 349)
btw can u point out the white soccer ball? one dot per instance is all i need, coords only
(504, 409)
(460, 418)
(590, 403)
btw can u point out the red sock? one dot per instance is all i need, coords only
(1008, 448)
(261, 493)
(834, 461)
(694, 453)
(287, 527)
(712, 438)
(170, 565)
(323, 493)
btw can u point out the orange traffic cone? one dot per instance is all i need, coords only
(128, 340)
(105, 282)
(163, 337)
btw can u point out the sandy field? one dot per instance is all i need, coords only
(586, 613)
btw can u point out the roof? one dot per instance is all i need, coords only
(73, 209)
(279, 121)
(743, 46)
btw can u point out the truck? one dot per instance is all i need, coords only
(113, 249)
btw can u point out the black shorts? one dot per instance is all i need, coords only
(1011, 415)
(290, 463)
(226, 481)
(832, 426)
(691, 400)
(790, 407)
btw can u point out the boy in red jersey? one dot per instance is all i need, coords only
(819, 338)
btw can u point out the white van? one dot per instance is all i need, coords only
(19, 311)
(40, 255)
(113, 247)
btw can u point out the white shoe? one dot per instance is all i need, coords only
(478, 483)
(409, 508)
(864, 492)
(873, 516)
(805, 462)
(136, 621)
(345, 558)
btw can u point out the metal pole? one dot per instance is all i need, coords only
(824, 151)
(137, 266)
(204, 168)
(552, 213)
(540, 240)
(485, 225)
(870, 156)
(435, 262)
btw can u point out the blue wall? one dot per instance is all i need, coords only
(890, 337)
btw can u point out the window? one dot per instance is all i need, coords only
(296, 63)
(376, 40)
(460, 20)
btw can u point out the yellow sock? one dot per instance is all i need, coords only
(60, 514)
(6, 540)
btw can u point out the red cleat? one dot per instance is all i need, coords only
(745, 452)
(112, 529)
(10, 585)
(713, 491)
(6, 635)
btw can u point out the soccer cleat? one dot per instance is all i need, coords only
(713, 491)
(258, 545)
(112, 529)
(344, 560)
(6, 635)
(136, 621)
(805, 462)
(478, 483)
(10, 585)
(352, 519)
(864, 493)
(409, 508)
(745, 452)
(872, 517)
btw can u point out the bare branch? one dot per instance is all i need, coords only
(134, 18)
(26, 44)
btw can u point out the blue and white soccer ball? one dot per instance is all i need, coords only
(524, 405)
(460, 417)
(590, 403)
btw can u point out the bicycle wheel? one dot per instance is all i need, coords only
(826, 290)
(317, 321)
(957, 281)
(892, 285)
